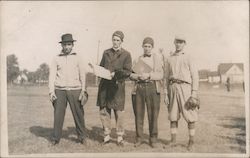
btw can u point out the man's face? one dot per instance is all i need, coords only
(67, 47)
(116, 42)
(179, 45)
(147, 48)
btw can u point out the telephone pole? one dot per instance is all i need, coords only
(97, 60)
(98, 47)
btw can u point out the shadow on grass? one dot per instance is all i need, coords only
(240, 135)
(41, 132)
(94, 134)
(46, 133)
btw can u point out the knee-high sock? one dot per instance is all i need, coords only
(173, 127)
(191, 128)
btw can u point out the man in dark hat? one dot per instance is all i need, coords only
(67, 84)
(111, 93)
(147, 91)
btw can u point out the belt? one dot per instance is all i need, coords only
(144, 82)
(173, 80)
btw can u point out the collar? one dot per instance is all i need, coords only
(178, 53)
(118, 49)
(71, 53)
(147, 55)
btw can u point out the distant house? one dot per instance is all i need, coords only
(213, 77)
(22, 78)
(234, 71)
(203, 75)
(209, 76)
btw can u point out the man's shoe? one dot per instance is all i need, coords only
(155, 145)
(190, 146)
(138, 143)
(54, 142)
(106, 140)
(173, 142)
(83, 141)
(121, 143)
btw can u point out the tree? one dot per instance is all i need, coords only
(42, 73)
(12, 68)
(31, 77)
(25, 71)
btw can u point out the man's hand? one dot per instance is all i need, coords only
(52, 96)
(144, 76)
(83, 97)
(166, 100)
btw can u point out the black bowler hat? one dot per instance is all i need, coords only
(67, 38)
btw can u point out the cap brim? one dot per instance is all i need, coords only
(67, 41)
(178, 39)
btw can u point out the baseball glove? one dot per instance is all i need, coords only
(192, 103)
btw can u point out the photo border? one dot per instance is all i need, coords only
(4, 125)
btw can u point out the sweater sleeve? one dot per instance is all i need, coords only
(194, 74)
(52, 75)
(82, 73)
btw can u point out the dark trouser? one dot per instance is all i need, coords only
(71, 96)
(146, 93)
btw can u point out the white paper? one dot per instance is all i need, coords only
(101, 71)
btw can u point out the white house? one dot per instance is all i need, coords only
(21, 79)
(234, 71)
(209, 76)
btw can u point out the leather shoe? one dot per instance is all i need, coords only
(106, 142)
(138, 143)
(83, 141)
(155, 145)
(54, 142)
(120, 143)
(190, 146)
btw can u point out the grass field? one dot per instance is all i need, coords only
(221, 126)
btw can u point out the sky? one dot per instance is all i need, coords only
(216, 31)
